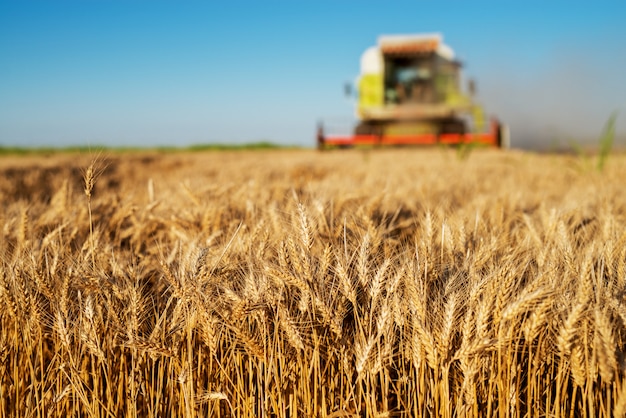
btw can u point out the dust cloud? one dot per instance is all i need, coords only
(568, 101)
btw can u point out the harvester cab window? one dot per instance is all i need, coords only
(447, 81)
(409, 79)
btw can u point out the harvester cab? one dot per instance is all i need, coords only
(410, 93)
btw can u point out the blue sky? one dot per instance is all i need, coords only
(132, 72)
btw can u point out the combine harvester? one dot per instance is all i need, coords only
(409, 93)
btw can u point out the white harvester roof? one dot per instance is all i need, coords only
(372, 58)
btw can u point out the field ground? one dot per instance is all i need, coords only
(288, 283)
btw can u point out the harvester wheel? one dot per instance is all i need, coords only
(365, 128)
(321, 143)
(504, 136)
(453, 126)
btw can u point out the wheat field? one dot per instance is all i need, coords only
(293, 283)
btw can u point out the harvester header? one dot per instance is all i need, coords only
(409, 93)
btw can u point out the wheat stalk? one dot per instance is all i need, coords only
(373, 293)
